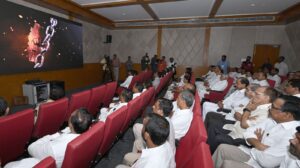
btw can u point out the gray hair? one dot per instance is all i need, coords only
(188, 97)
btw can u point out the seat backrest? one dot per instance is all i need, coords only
(283, 78)
(197, 105)
(97, 97)
(133, 109)
(48, 162)
(50, 117)
(15, 133)
(83, 150)
(187, 144)
(147, 96)
(113, 125)
(78, 100)
(110, 92)
(271, 83)
(202, 156)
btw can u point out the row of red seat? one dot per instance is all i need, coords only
(193, 152)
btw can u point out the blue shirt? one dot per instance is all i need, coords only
(224, 65)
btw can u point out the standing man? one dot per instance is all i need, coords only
(116, 66)
(247, 65)
(129, 64)
(154, 63)
(145, 62)
(224, 64)
(282, 66)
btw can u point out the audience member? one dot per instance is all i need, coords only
(292, 159)
(154, 61)
(55, 145)
(128, 80)
(275, 77)
(232, 101)
(137, 90)
(4, 109)
(158, 153)
(255, 112)
(293, 87)
(261, 79)
(145, 62)
(183, 115)
(282, 66)
(124, 97)
(247, 65)
(269, 139)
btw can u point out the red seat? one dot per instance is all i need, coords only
(110, 92)
(48, 162)
(271, 83)
(187, 144)
(133, 111)
(50, 117)
(147, 97)
(197, 105)
(97, 97)
(83, 150)
(283, 78)
(202, 156)
(78, 100)
(15, 133)
(113, 125)
(216, 96)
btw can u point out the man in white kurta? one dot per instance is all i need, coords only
(275, 77)
(270, 139)
(55, 145)
(282, 67)
(232, 101)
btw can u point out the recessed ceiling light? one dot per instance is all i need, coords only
(123, 14)
(252, 4)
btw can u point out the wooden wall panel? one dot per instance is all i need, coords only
(11, 85)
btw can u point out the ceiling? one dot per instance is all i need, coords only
(143, 13)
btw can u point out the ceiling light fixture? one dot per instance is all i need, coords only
(252, 4)
(123, 14)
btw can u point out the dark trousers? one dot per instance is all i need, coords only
(214, 123)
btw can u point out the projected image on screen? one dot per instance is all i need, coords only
(31, 40)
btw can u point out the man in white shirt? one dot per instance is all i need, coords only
(162, 107)
(293, 87)
(183, 116)
(292, 159)
(128, 80)
(254, 113)
(275, 77)
(159, 153)
(282, 66)
(270, 139)
(261, 79)
(137, 90)
(230, 102)
(124, 97)
(55, 145)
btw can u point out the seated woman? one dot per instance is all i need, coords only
(124, 97)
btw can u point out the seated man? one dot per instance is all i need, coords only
(156, 80)
(137, 90)
(261, 79)
(188, 86)
(158, 153)
(232, 101)
(4, 109)
(162, 107)
(124, 97)
(217, 85)
(55, 145)
(128, 80)
(275, 77)
(183, 116)
(269, 139)
(254, 113)
(293, 87)
(292, 159)
(55, 94)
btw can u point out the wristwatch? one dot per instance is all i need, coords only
(246, 109)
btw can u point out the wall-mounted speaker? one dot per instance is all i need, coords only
(108, 39)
